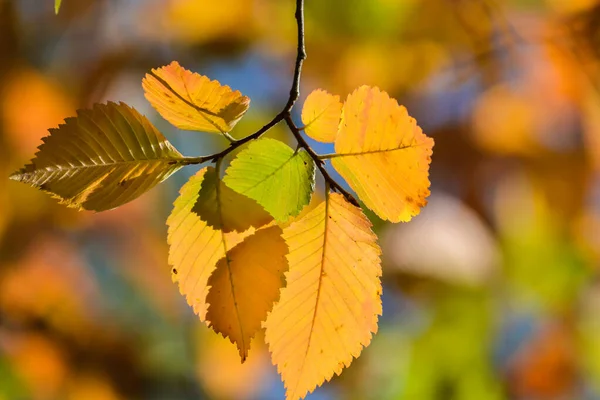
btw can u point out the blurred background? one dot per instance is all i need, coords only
(493, 292)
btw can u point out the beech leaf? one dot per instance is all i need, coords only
(329, 309)
(383, 155)
(245, 285)
(321, 115)
(101, 159)
(277, 177)
(192, 101)
(195, 245)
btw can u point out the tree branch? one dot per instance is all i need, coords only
(319, 163)
(285, 115)
(294, 94)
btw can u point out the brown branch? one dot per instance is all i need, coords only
(294, 94)
(285, 115)
(318, 162)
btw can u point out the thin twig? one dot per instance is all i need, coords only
(294, 94)
(285, 115)
(318, 162)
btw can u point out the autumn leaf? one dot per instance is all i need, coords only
(321, 115)
(192, 101)
(226, 210)
(101, 159)
(245, 285)
(196, 245)
(383, 155)
(277, 177)
(329, 309)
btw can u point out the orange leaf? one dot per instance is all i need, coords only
(195, 245)
(245, 285)
(192, 101)
(383, 155)
(329, 309)
(321, 115)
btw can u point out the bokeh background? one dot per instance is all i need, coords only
(491, 293)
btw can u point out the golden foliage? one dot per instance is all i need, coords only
(197, 245)
(101, 159)
(329, 309)
(245, 285)
(321, 115)
(192, 101)
(383, 154)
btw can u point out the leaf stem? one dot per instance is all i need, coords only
(327, 156)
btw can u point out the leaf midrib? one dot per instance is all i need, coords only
(362, 153)
(179, 160)
(313, 320)
(228, 260)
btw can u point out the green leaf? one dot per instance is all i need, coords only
(224, 209)
(101, 159)
(278, 178)
(57, 6)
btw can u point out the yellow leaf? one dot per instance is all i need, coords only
(383, 155)
(195, 245)
(245, 285)
(101, 159)
(329, 308)
(192, 101)
(321, 115)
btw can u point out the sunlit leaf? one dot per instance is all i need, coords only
(225, 209)
(278, 178)
(383, 155)
(195, 245)
(101, 159)
(57, 6)
(321, 115)
(192, 101)
(245, 285)
(330, 306)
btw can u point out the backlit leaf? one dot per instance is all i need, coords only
(225, 209)
(383, 155)
(195, 245)
(278, 178)
(101, 159)
(245, 285)
(57, 6)
(192, 101)
(329, 308)
(321, 115)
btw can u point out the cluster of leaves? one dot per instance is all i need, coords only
(246, 249)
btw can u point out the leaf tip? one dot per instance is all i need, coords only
(15, 176)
